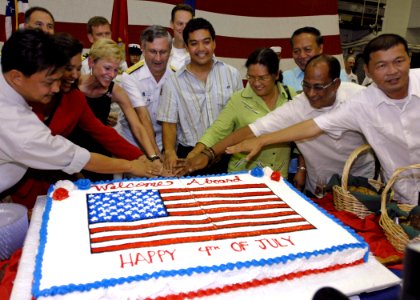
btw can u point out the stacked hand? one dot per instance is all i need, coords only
(251, 146)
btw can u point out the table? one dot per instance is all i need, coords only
(370, 277)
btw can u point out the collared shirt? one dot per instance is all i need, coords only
(323, 155)
(243, 108)
(194, 105)
(178, 57)
(143, 90)
(352, 77)
(26, 142)
(294, 78)
(391, 131)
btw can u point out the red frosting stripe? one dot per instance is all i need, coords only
(187, 222)
(199, 229)
(197, 239)
(254, 283)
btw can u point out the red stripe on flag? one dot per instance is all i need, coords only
(220, 195)
(227, 209)
(190, 230)
(219, 202)
(192, 239)
(188, 222)
(216, 188)
(265, 8)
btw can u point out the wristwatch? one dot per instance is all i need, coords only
(154, 157)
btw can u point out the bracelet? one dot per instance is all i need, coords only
(301, 168)
(206, 153)
(153, 157)
(210, 154)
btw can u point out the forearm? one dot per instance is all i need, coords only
(169, 137)
(137, 128)
(146, 121)
(197, 149)
(300, 131)
(152, 136)
(234, 138)
(144, 140)
(106, 165)
(301, 163)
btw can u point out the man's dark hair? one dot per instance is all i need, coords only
(96, 21)
(33, 9)
(334, 67)
(383, 42)
(266, 57)
(30, 51)
(197, 24)
(181, 6)
(310, 30)
(69, 45)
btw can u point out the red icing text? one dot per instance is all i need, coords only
(208, 249)
(275, 243)
(129, 185)
(239, 246)
(150, 257)
(205, 181)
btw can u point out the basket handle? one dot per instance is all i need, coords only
(347, 166)
(391, 182)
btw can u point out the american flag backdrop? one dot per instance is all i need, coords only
(14, 15)
(118, 221)
(241, 25)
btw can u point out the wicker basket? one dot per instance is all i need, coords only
(343, 199)
(394, 232)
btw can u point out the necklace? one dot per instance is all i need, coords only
(271, 102)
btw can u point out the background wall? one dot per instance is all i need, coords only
(241, 26)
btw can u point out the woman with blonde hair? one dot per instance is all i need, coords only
(100, 90)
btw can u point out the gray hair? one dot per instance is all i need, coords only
(155, 31)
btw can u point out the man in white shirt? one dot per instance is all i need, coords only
(322, 94)
(349, 62)
(143, 83)
(386, 113)
(32, 67)
(181, 14)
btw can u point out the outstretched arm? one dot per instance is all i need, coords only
(169, 144)
(300, 131)
(139, 131)
(144, 117)
(106, 165)
(198, 160)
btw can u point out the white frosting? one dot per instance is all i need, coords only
(68, 260)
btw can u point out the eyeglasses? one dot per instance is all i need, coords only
(258, 78)
(155, 52)
(316, 87)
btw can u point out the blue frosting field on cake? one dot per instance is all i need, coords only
(124, 206)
